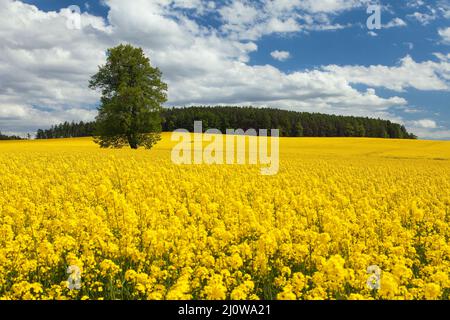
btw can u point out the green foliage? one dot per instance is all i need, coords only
(5, 137)
(132, 98)
(290, 123)
(67, 130)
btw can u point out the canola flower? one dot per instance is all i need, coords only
(135, 226)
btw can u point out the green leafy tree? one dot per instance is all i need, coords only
(132, 98)
(298, 130)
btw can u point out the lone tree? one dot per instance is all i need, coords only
(132, 98)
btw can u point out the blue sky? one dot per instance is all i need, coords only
(299, 55)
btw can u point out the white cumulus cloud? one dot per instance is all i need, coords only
(445, 35)
(396, 22)
(280, 55)
(425, 123)
(428, 75)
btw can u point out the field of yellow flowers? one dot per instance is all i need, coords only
(132, 225)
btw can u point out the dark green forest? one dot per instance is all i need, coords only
(68, 130)
(290, 123)
(5, 137)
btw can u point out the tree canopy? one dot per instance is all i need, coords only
(290, 123)
(6, 137)
(132, 98)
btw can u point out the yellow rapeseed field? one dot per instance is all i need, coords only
(132, 225)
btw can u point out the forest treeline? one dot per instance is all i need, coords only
(67, 130)
(5, 137)
(290, 123)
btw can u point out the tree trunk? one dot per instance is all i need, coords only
(132, 141)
